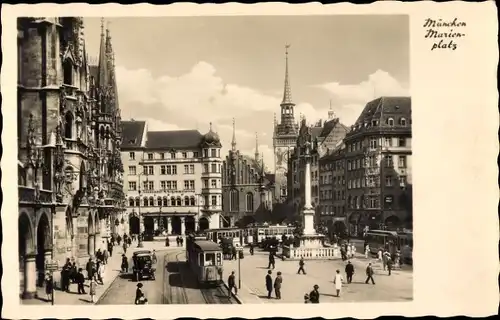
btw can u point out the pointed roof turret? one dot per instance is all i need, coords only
(103, 63)
(233, 143)
(331, 113)
(256, 147)
(287, 92)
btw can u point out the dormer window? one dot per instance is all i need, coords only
(402, 122)
(390, 122)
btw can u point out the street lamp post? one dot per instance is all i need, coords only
(239, 269)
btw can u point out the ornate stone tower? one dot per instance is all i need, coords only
(284, 137)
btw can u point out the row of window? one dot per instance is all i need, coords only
(299, 177)
(371, 162)
(369, 202)
(335, 166)
(389, 121)
(378, 142)
(330, 179)
(170, 202)
(234, 204)
(172, 169)
(373, 183)
(332, 210)
(332, 195)
(164, 185)
(212, 153)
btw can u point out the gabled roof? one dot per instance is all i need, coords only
(376, 109)
(329, 126)
(132, 133)
(175, 139)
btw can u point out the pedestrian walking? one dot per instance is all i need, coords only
(231, 284)
(367, 250)
(369, 274)
(397, 262)
(338, 280)
(301, 266)
(349, 271)
(233, 253)
(353, 250)
(343, 253)
(124, 246)
(92, 290)
(118, 239)
(385, 258)
(139, 294)
(379, 254)
(124, 265)
(80, 281)
(110, 249)
(100, 272)
(74, 272)
(90, 269)
(167, 242)
(314, 294)
(251, 249)
(154, 258)
(389, 265)
(269, 284)
(49, 286)
(177, 241)
(272, 262)
(277, 285)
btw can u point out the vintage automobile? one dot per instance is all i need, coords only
(144, 266)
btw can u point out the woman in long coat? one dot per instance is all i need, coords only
(338, 282)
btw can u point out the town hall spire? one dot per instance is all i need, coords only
(256, 147)
(233, 143)
(287, 92)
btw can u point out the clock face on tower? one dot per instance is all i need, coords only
(281, 157)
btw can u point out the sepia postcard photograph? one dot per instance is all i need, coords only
(224, 157)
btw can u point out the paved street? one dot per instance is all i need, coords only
(175, 284)
(397, 287)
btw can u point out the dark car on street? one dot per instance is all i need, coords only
(144, 266)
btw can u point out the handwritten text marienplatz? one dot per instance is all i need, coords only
(444, 34)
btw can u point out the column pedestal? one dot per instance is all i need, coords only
(29, 290)
(183, 226)
(91, 244)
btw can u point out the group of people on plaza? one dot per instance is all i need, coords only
(94, 269)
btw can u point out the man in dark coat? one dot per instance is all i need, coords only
(110, 248)
(349, 270)
(389, 265)
(231, 283)
(269, 284)
(90, 269)
(369, 273)
(314, 295)
(271, 260)
(233, 253)
(80, 280)
(301, 266)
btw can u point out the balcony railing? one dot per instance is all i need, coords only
(27, 194)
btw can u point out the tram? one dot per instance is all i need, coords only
(204, 257)
(216, 235)
(277, 231)
(392, 241)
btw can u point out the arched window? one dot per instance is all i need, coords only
(179, 201)
(137, 202)
(172, 202)
(193, 202)
(68, 125)
(186, 201)
(390, 122)
(68, 72)
(131, 202)
(165, 201)
(160, 201)
(233, 200)
(402, 122)
(151, 202)
(249, 201)
(146, 202)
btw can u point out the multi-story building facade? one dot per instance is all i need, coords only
(70, 174)
(332, 133)
(332, 191)
(379, 166)
(246, 188)
(173, 179)
(284, 138)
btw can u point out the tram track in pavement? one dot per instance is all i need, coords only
(177, 292)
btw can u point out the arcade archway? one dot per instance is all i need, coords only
(134, 225)
(176, 225)
(25, 238)
(190, 225)
(339, 228)
(42, 244)
(392, 222)
(204, 224)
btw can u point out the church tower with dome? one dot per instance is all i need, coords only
(284, 137)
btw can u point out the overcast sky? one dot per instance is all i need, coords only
(184, 72)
